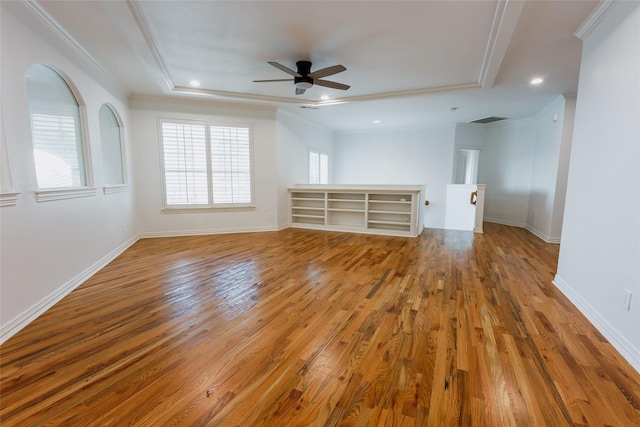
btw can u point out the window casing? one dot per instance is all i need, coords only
(318, 167)
(206, 165)
(7, 196)
(113, 167)
(58, 143)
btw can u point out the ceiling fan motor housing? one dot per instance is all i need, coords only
(303, 82)
(304, 67)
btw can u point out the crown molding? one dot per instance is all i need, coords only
(597, 15)
(505, 21)
(141, 22)
(238, 96)
(62, 32)
(403, 93)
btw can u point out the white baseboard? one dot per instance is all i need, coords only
(617, 340)
(16, 324)
(542, 236)
(527, 227)
(505, 222)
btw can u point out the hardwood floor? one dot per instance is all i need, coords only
(307, 328)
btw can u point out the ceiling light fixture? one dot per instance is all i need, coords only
(324, 97)
(194, 83)
(376, 121)
(536, 81)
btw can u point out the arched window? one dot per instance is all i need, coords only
(113, 172)
(58, 146)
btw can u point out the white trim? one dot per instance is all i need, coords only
(141, 22)
(505, 222)
(111, 189)
(179, 233)
(180, 209)
(541, 235)
(597, 15)
(16, 324)
(62, 32)
(503, 27)
(8, 199)
(219, 94)
(46, 195)
(532, 230)
(617, 340)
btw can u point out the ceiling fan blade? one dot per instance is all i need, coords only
(332, 85)
(276, 80)
(329, 71)
(285, 69)
(299, 91)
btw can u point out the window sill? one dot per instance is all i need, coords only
(64, 193)
(119, 188)
(208, 209)
(8, 199)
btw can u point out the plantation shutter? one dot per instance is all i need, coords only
(230, 164)
(318, 168)
(185, 163)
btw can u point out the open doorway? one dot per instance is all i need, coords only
(467, 161)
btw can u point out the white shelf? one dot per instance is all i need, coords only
(308, 208)
(389, 210)
(345, 210)
(376, 221)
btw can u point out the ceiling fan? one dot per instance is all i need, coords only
(303, 78)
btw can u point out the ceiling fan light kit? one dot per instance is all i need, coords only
(304, 79)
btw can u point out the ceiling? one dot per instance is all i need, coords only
(414, 63)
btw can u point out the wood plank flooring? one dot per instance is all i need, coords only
(311, 328)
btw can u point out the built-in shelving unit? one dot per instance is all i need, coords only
(366, 209)
(308, 208)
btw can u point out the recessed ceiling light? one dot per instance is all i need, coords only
(536, 81)
(194, 83)
(325, 97)
(376, 121)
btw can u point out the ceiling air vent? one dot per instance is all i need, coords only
(489, 120)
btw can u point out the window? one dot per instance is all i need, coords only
(206, 165)
(231, 164)
(111, 143)
(318, 167)
(58, 146)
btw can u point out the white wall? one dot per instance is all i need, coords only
(545, 166)
(554, 129)
(152, 219)
(562, 175)
(421, 156)
(295, 137)
(48, 248)
(600, 250)
(505, 168)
